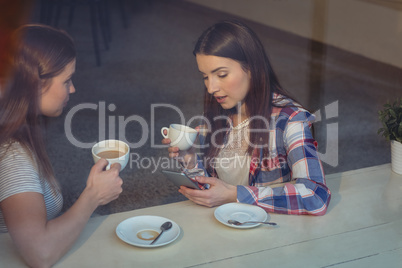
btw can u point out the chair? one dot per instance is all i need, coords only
(98, 16)
(98, 13)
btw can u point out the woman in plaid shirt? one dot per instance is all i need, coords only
(257, 142)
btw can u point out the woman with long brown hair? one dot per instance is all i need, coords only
(258, 148)
(30, 197)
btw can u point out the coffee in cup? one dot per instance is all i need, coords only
(180, 136)
(114, 151)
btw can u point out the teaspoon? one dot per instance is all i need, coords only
(233, 222)
(166, 226)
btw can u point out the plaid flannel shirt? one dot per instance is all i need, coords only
(291, 180)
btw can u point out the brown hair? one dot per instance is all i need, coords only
(234, 40)
(41, 54)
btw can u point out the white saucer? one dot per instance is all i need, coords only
(131, 229)
(240, 212)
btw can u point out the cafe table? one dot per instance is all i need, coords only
(362, 228)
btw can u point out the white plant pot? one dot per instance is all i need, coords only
(396, 157)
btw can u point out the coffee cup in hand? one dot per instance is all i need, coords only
(114, 151)
(180, 136)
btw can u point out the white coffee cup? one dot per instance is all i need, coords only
(114, 151)
(180, 136)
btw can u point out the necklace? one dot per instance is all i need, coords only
(241, 124)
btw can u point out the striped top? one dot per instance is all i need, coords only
(19, 174)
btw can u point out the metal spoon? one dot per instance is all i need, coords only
(164, 227)
(240, 223)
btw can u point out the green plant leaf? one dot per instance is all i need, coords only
(391, 119)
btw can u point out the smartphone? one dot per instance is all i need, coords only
(179, 179)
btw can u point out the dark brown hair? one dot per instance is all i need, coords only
(41, 54)
(236, 41)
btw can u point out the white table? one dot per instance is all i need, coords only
(362, 228)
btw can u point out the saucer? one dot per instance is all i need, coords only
(240, 212)
(140, 231)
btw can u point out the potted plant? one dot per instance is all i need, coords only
(391, 119)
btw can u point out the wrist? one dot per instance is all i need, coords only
(234, 197)
(90, 198)
(234, 194)
(187, 162)
(188, 159)
(188, 165)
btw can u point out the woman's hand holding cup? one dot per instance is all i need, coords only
(181, 139)
(104, 186)
(104, 183)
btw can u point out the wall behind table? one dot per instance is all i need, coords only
(371, 28)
